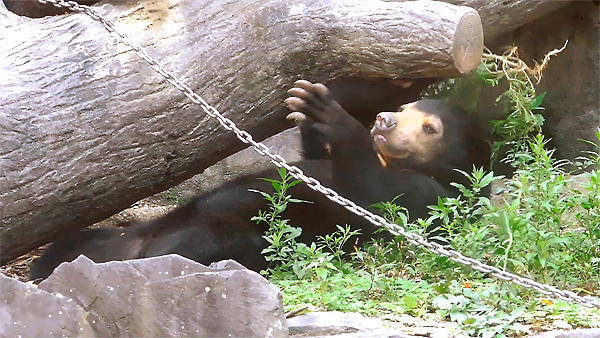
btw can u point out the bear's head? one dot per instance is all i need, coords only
(429, 134)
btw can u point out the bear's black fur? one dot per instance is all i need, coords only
(216, 225)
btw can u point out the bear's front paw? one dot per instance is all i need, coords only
(315, 101)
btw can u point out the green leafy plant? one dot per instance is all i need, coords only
(318, 259)
(485, 311)
(281, 236)
(522, 119)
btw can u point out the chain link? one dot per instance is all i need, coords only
(316, 185)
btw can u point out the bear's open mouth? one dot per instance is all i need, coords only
(379, 139)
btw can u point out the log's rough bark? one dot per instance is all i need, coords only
(86, 128)
(502, 16)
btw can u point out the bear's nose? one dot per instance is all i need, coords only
(385, 121)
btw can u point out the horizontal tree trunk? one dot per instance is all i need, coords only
(502, 16)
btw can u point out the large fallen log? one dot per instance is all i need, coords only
(502, 16)
(86, 128)
(499, 16)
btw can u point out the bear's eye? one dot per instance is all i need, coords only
(428, 129)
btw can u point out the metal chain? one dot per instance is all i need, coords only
(279, 161)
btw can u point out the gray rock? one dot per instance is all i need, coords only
(171, 296)
(26, 311)
(170, 266)
(228, 264)
(581, 333)
(373, 334)
(354, 325)
(235, 303)
(106, 291)
(331, 323)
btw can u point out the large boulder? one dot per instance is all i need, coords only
(166, 296)
(27, 311)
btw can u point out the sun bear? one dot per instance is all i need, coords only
(410, 155)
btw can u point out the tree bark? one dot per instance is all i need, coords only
(502, 16)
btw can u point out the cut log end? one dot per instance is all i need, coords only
(467, 47)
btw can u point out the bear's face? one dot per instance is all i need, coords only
(420, 131)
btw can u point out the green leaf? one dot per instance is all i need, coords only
(409, 301)
(457, 316)
(469, 321)
(538, 101)
(294, 200)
